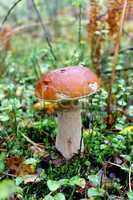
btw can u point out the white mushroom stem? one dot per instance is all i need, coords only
(68, 140)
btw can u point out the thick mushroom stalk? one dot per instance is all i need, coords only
(68, 140)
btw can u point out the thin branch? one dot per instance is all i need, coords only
(129, 178)
(44, 29)
(28, 139)
(121, 167)
(31, 142)
(8, 174)
(9, 12)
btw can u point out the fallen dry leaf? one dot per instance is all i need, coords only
(17, 167)
(13, 163)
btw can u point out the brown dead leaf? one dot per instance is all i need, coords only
(17, 167)
(13, 163)
(25, 169)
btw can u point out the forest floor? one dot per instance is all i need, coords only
(30, 166)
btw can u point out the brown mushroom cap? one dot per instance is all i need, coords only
(67, 83)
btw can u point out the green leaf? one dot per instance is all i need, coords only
(4, 117)
(126, 157)
(94, 192)
(64, 181)
(94, 179)
(8, 188)
(19, 180)
(30, 161)
(48, 197)
(59, 196)
(76, 180)
(130, 195)
(53, 185)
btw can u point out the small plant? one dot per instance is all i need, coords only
(96, 190)
(54, 186)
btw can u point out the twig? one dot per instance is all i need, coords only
(121, 167)
(129, 179)
(7, 174)
(9, 11)
(127, 170)
(44, 29)
(31, 142)
(28, 139)
(72, 193)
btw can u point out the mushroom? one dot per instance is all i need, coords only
(66, 86)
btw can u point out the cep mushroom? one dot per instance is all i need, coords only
(68, 85)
